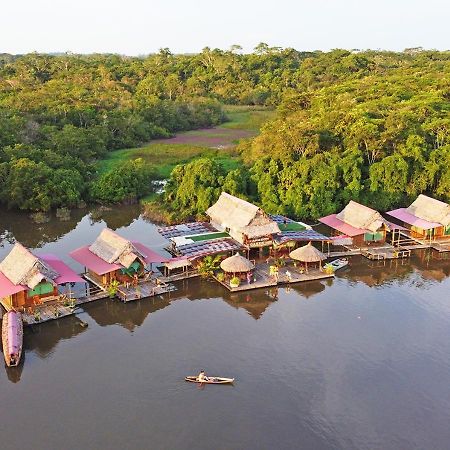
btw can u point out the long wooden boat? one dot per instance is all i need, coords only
(211, 380)
(12, 337)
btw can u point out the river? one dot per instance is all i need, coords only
(358, 362)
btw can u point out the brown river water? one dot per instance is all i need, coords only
(358, 362)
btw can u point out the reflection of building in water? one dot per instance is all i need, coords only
(127, 315)
(375, 273)
(309, 289)
(42, 339)
(255, 303)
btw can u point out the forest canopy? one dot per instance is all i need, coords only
(371, 126)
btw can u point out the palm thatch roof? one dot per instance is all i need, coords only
(430, 209)
(307, 253)
(115, 249)
(21, 267)
(363, 217)
(236, 263)
(239, 215)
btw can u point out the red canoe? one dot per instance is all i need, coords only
(12, 337)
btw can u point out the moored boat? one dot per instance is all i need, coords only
(12, 337)
(211, 380)
(337, 264)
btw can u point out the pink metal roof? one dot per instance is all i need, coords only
(8, 288)
(150, 255)
(333, 222)
(87, 259)
(406, 217)
(66, 274)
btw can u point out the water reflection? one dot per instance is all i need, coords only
(14, 373)
(128, 315)
(42, 339)
(426, 264)
(18, 226)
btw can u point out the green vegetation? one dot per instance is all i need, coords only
(370, 126)
(247, 117)
(208, 265)
(373, 127)
(162, 158)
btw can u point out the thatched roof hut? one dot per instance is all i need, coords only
(308, 254)
(115, 249)
(236, 264)
(430, 209)
(241, 218)
(363, 217)
(21, 267)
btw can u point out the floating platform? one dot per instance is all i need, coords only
(144, 290)
(263, 279)
(390, 252)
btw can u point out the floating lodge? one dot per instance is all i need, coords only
(253, 249)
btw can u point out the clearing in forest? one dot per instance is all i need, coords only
(218, 142)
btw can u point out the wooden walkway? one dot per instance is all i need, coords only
(179, 276)
(263, 279)
(441, 247)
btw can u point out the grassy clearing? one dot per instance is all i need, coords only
(247, 117)
(163, 156)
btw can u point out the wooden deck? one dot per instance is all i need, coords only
(263, 279)
(390, 252)
(441, 246)
(50, 310)
(179, 276)
(144, 289)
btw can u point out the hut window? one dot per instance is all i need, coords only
(447, 229)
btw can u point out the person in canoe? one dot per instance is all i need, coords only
(201, 377)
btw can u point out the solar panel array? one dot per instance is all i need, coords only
(278, 218)
(185, 229)
(202, 248)
(305, 235)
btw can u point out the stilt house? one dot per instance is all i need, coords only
(426, 217)
(27, 280)
(112, 257)
(359, 222)
(246, 223)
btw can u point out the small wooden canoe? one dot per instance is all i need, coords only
(12, 337)
(211, 380)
